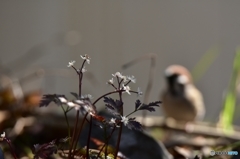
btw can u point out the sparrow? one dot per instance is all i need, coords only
(181, 100)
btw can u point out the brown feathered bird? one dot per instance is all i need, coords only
(182, 101)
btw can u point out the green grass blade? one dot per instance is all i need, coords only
(205, 62)
(227, 115)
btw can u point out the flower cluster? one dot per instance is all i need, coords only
(86, 57)
(83, 68)
(114, 107)
(83, 103)
(124, 80)
(115, 121)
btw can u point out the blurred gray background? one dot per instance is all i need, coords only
(49, 34)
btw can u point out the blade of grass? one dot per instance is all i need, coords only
(227, 115)
(205, 62)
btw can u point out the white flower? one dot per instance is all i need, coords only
(86, 57)
(78, 102)
(125, 120)
(84, 69)
(127, 89)
(71, 63)
(112, 121)
(111, 81)
(89, 96)
(71, 104)
(139, 92)
(3, 135)
(62, 99)
(131, 78)
(117, 74)
(124, 78)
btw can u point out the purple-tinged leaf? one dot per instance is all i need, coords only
(44, 150)
(137, 104)
(114, 107)
(133, 124)
(156, 104)
(150, 106)
(75, 95)
(147, 107)
(48, 98)
(86, 106)
(112, 110)
(118, 105)
(109, 101)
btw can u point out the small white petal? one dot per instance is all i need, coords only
(139, 92)
(124, 78)
(84, 69)
(71, 104)
(131, 78)
(111, 81)
(117, 74)
(89, 96)
(124, 120)
(71, 63)
(79, 102)
(77, 107)
(62, 99)
(86, 57)
(113, 121)
(88, 61)
(127, 89)
(83, 57)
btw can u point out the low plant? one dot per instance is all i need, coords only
(86, 109)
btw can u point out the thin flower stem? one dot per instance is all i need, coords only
(118, 140)
(69, 109)
(118, 83)
(127, 83)
(89, 136)
(80, 74)
(74, 134)
(66, 118)
(107, 140)
(117, 91)
(82, 65)
(134, 92)
(75, 70)
(80, 129)
(120, 129)
(120, 97)
(10, 145)
(80, 84)
(114, 86)
(149, 85)
(131, 113)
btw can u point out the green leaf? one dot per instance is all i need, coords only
(205, 62)
(227, 114)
